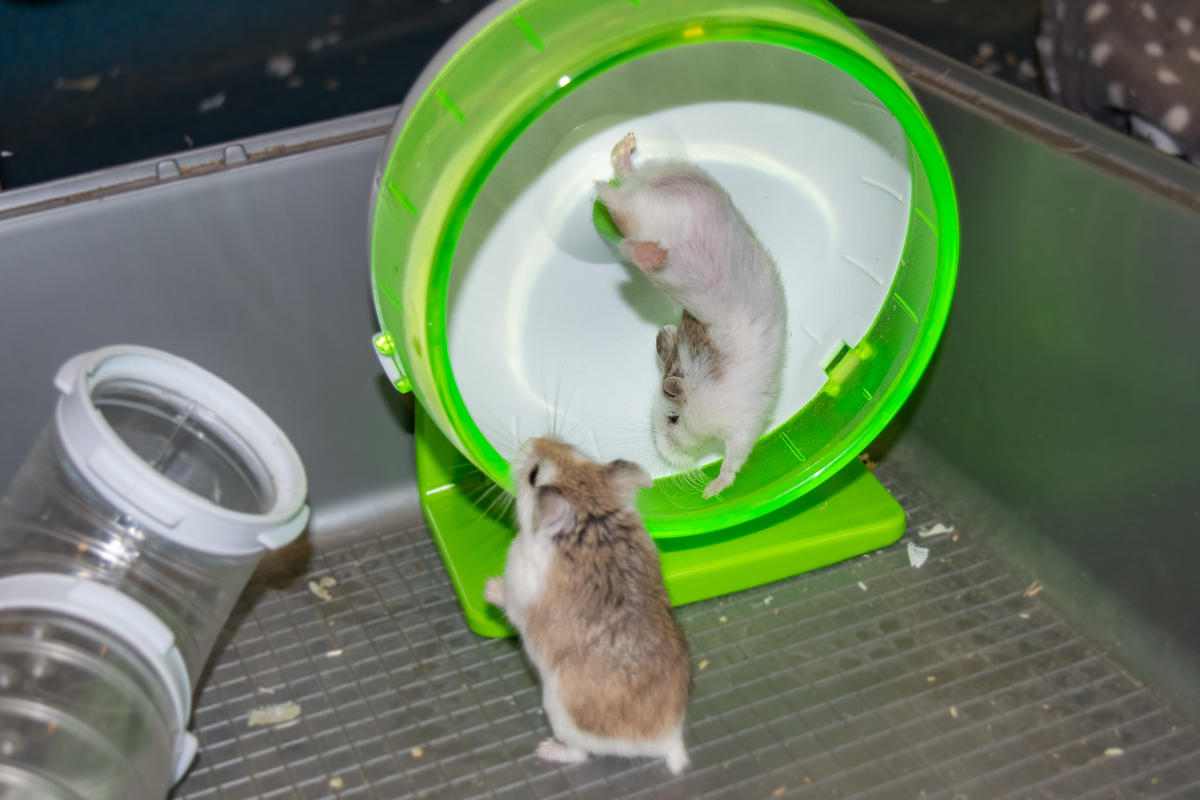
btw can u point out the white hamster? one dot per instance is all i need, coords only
(722, 364)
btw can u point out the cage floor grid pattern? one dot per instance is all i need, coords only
(868, 679)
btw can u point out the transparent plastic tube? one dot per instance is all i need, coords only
(82, 714)
(125, 539)
(53, 521)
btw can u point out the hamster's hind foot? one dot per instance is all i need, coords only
(677, 759)
(556, 751)
(717, 485)
(622, 165)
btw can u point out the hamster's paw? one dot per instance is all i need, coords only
(717, 485)
(493, 591)
(620, 156)
(556, 751)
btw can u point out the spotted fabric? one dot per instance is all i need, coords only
(1132, 64)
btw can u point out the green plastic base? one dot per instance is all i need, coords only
(471, 522)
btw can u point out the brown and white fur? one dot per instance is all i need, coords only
(584, 588)
(723, 363)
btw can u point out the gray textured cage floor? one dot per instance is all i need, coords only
(866, 679)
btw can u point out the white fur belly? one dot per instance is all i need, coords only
(525, 576)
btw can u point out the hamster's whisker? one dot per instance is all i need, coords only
(501, 506)
(557, 410)
(499, 501)
(550, 400)
(691, 479)
(500, 436)
(481, 492)
(459, 470)
(574, 385)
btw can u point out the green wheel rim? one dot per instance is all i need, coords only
(418, 222)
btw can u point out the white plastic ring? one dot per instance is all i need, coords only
(129, 483)
(110, 610)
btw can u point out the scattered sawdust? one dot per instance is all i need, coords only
(211, 103)
(862, 586)
(417, 752)
(768, 599)
(722, 619)
(273, 715)
(779, 792)
(931, 678)
(336, 783)
(280, 65)
(917, 555)
(1114, 751)
(318, 43)
(87, 83)
(703, 665)
(321, 588)
(985, 51)
(936, 529)
(954, 712)
(266, 690)
(1024, 615)
(1034, 589)
(333, 653)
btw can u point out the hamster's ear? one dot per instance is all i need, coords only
(552, 513)
(628, 477)
(672, 386)
(665, 341)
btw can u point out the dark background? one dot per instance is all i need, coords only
(87, 84)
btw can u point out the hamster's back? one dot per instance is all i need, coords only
(603, 626)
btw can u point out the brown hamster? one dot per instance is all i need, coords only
(583, 586)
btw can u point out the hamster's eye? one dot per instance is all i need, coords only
(672, 418)
(533, 473)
